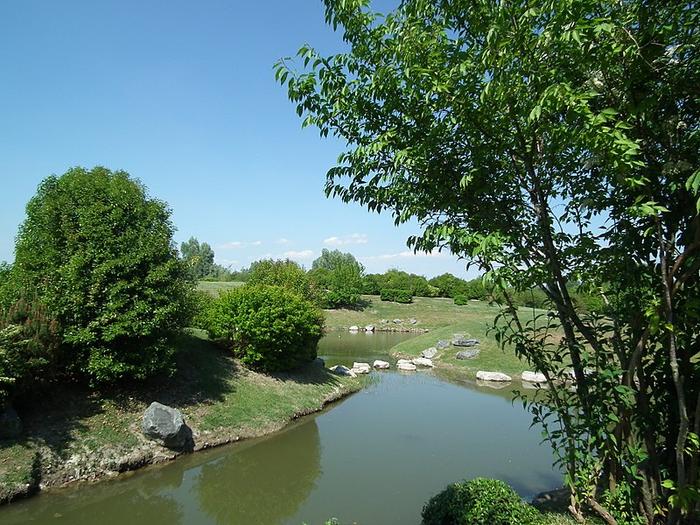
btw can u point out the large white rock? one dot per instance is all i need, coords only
(533, 377)
(405, 364)
(341, 370)
(369, 328)
(429, 353)
(492, 376)
(361, 368)
(354, 328)
(381, 365)
(423, 361)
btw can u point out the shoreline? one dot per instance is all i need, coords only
(76, 436)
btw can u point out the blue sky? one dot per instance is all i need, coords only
(182, 95)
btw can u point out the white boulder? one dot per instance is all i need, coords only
(405, 364)
(369, 328)
(429, 353)
(492, 376)
(423, 361)
(354, 328)
(341, 370)
(361, 368)
(533, 377)
(381, 365)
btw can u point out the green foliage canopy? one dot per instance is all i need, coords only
(272, 327)
(338, 278)
(97, 252)
(548, 144)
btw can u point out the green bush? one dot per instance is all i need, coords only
(271, 328)
(29, 348)
(479, 502)
(284, 273)
(461, 300)
(98, 253)
(396, 295)
(200, 303)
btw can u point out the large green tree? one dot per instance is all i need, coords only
(199, 258)
(338, 278)
(97, 252)
(550, 143)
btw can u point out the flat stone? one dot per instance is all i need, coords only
(492, 376)
(10, 424)
(381, 365)
(442, 344)
(361, 368)
(429, 353)
(533, 377)
(369, 328)
(398, 321)
(403, 364)
(165, 424)
(464, 342)
(341, 370)
(468, 354)
(354, 328)
(413, 321)
(423, 361)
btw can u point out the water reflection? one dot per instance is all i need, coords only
(265, 484)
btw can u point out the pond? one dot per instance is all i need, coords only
(374, 458)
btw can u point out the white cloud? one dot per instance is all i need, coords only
(232, 245)
(282, 240)
(299, 255)
(355, 238)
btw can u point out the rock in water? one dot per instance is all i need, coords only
(423, 361)
(492, 376)
(405, 364)
(165, 424)
(341, 370)
(461, 341)
(361, 368)
(10, 423)
(468, 354)
(533, 377)
(369, 328)
(429, 353)
(442, 344)
(381, 365)
(354, 328)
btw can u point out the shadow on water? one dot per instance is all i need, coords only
(288, 475)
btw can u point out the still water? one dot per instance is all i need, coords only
(374, 458)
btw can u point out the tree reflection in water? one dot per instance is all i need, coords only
(265, 483)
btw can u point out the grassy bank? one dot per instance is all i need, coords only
(429, 313)
(214, 287)
(74, 434)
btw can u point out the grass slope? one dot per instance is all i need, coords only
(215, 287)
(74, 433)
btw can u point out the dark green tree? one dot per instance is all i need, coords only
(199, 258)
(97, 252)
(548, 143)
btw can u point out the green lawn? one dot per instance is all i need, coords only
(215, 287)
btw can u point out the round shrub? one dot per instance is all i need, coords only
(461, 300)
(479, 502)
(97, 252)
(272, 328)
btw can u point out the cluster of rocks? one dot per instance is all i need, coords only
(397, 325)
(364, 368)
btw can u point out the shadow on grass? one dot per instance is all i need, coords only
(59, 415)
(313, 373)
